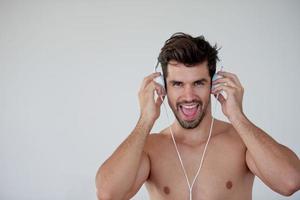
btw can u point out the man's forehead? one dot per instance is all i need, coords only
(179, 71)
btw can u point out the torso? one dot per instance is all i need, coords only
(224, 174)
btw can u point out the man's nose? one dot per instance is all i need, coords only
(189, 93)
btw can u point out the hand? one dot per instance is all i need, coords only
(232, 105)
(150, 108)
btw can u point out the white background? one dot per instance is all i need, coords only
(70, 72)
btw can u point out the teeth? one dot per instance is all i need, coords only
(190, 106)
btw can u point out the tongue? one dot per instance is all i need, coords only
(189, 111)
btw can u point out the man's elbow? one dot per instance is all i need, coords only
(288, 191)
(101, 192)
(105, 189)
(292, 185)
(103, 195)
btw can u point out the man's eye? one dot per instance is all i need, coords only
(177, 84)
(199, 83)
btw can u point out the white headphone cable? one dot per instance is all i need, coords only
(190, 186)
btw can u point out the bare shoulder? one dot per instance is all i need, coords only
(228, 134)
(157, 141)
(229, 148)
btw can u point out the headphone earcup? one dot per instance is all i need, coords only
(160, 80)
(215, 77)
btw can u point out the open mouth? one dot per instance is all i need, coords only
(189, 111)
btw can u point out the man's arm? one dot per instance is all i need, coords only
(123, 173)
(276, 165)
(117, 175)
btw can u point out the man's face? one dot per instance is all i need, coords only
(188, 92)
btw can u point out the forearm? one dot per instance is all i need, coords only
(118, 172)
(276, 163)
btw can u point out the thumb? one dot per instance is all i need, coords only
(159, 100)
(220, 98)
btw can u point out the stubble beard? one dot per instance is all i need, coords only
(190, 124)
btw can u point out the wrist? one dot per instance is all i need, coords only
(237, 117)
(146, 122)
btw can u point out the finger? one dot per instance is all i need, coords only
(160, 89)
(159, 100)
(148, 79)
(220, 98)
(224, 81)
(163, 90)
(230, 75)
(152, 87)
(227, 89)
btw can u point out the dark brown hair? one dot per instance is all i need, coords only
(188, 50)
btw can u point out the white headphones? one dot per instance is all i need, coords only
(160, 79)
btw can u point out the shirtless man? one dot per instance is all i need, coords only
(237, 151)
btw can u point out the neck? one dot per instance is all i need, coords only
(193, 136)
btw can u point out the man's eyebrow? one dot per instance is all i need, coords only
(201, 80)
(175, 81)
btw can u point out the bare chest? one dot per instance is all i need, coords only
(224, 174)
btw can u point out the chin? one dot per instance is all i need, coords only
(190, 124)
